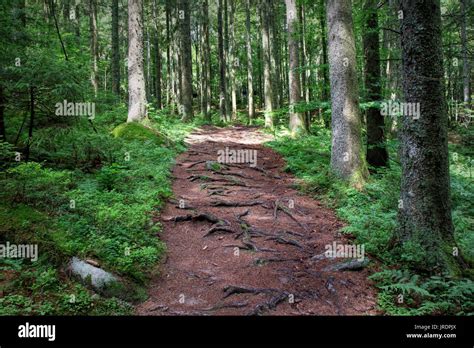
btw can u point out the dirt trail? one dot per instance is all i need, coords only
(242, 241)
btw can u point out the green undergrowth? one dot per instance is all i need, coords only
(90, 191)
(371, 217)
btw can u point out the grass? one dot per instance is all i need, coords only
(90, 194)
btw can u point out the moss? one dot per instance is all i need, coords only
(137, 131)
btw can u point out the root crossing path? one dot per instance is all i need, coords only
(242, 240)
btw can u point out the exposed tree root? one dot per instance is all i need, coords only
(227, 305)
(219, 229)
(235, 204)
(270, 304)
(282, 240)
(276, 297)
(199, 217)
(196, 163)
(278, 206)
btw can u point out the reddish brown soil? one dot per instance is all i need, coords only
(276, 278)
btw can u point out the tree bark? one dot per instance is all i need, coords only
(425, 208)
(377, 155)
(205, 62)
(2, 114)
(250, 102)
(222, 65)
(296, 117)
(265, 6)
(232, 61)
(137, 109)
(347, 159)
(94, 45)
(465, 57)
(115, 49)
(187, 72)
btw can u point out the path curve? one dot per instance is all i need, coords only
(262, 257)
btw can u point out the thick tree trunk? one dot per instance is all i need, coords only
(222, 65)
(377, 155)
(137, 109)
(425, 210)
(347, 159)
(115, 48)
(296, 117)
(250, 102)
(94, 44)
(267, 67)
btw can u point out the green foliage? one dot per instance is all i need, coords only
(100, 205)
(405, 293)
(7, 154)
(371, 217)
(137, 131)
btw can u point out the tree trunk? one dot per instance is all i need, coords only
(186, 56)
(222, 65)
(137, 110)
(465, 57)
(296, 117)
(2, 114)
(94, 45)
(425, 215)
(250, 103)
(267, 69)
(325, 94)
(32, 123)
(232, 61)
(115, 49)
(377, 155)
(205, 48)
(157, 56)
(169, 69)
(347, 159)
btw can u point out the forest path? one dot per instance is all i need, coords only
(245, 242)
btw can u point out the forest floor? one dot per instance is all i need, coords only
(241, 240)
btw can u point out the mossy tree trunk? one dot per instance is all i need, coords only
(426, 228)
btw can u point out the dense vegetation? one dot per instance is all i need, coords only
(90, 183)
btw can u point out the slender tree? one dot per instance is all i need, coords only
(187, 73)
(115, 48)
(377, 155)
(222, 64)
(265, 6)
(137, 103)
(347, 158)
(296, 117)
(250, 102)
(466, 76)
(94, 44)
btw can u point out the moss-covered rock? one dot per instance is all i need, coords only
(137, 131)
